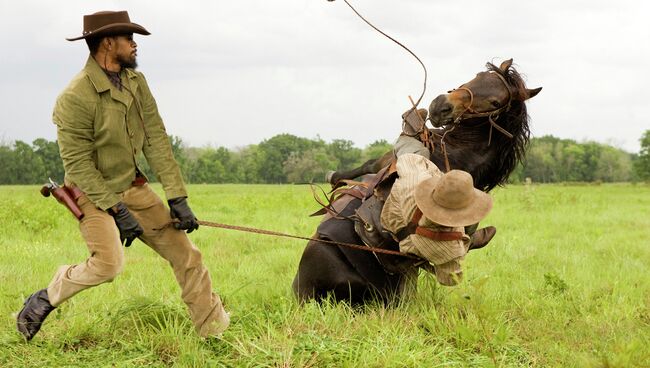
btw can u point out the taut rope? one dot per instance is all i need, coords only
(276, 233)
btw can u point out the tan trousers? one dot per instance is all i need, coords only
(106, 258)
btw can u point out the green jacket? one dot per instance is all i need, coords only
(102, 130)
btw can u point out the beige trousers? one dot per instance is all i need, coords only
(106, 258)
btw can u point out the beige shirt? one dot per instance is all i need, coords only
(398, 212)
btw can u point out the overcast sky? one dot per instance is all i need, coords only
(232, 73)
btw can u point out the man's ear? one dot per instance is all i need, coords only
(108, 43)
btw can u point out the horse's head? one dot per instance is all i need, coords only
(490, 94)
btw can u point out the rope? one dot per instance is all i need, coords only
(400, 44)
(275, 233)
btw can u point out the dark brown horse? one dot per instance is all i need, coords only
(485, 127)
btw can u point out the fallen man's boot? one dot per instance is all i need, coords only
(482, 237)
(35, 310)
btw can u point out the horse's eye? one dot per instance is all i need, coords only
(496, 103)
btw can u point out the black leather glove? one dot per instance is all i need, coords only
(126, 223)
(180, 210)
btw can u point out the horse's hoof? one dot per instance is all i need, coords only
(482, 237)
(329, 176)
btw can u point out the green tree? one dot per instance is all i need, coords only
(289, 158)
(308, 166)
(593, 151)
(209, 168)
(573, 163)
(30, 168)
(550, 159)
(539, 162)
(246, 164)
(613, 165)
(8, 165)
(275, 151)
(343, 154)
(642, 162)
(374, 150)
(48, 151)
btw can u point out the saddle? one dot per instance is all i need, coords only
(367, 220)
(367, 223)
(368, 216)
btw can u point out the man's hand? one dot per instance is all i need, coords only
(180, 210)
(126, 223)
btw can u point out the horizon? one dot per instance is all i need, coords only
(4, 141)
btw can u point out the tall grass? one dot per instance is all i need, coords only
(565, 283)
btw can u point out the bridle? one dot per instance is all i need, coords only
(493, 115)
(470, 113)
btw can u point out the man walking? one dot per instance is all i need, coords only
(106, 118)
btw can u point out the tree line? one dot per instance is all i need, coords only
(551, 160)
(286, 158)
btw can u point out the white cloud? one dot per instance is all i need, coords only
(234, 73)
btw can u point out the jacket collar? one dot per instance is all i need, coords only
(101, 83)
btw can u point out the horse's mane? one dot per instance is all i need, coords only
(507, 152)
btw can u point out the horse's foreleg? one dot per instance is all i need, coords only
(371, 166)
(334, 177)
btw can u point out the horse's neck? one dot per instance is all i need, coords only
(474, 157)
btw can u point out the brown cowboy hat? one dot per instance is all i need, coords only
(452, 200)
(106, 23)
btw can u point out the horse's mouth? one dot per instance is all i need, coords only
(437, 122)
(441, 111)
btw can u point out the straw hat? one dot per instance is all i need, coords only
(106, 23)
(452, 200)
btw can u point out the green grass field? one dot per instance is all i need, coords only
(565, 283)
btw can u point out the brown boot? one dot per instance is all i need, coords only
(35, 310)
(482, 237)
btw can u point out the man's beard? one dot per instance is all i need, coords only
(127, 62)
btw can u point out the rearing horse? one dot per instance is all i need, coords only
(483, 127)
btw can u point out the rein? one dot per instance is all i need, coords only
(284, 235)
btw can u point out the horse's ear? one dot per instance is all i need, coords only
(505, 65)
(532, 92)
